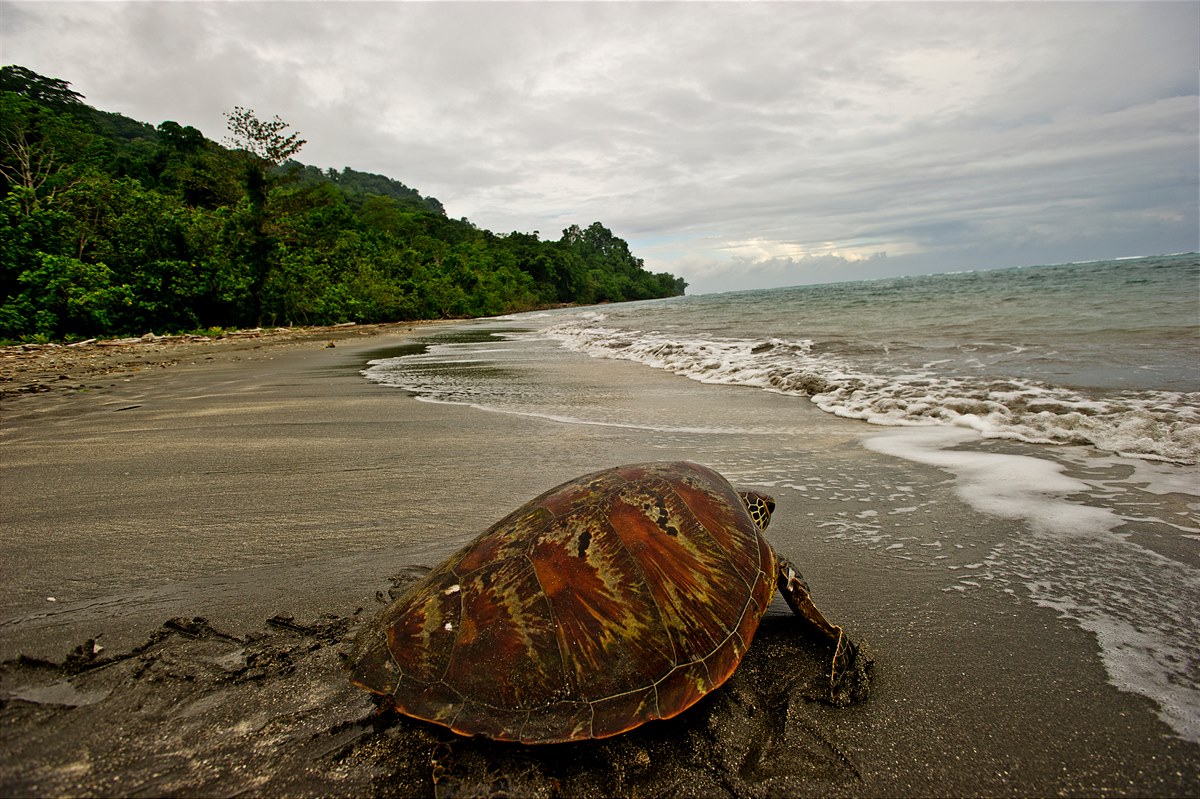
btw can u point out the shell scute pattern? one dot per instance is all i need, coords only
(684, 686)
(507, 538)
(699, 590)
(616, 714)
(506, 627)
(608, 625)
(421, 630)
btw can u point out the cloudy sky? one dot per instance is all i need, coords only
(740, 145)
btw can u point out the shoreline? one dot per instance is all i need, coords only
(42, 368)
(278, 495)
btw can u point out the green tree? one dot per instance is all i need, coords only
(40, 148)
(49, 92)
(264, 140)
(264, 146)
(63, 296)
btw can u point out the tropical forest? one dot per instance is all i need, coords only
(114, 227)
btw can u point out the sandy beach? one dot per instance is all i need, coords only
(193, 532)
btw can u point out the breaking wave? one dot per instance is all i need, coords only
(1150, 424)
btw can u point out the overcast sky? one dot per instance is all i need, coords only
(740, 145)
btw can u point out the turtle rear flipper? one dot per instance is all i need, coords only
(850, 671)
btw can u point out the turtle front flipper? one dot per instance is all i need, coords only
(850, 673)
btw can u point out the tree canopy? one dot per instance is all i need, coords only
(110, 226)
(264, 140)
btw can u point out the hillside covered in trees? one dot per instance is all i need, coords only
(109, 226)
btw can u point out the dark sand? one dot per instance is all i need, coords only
(185, 551)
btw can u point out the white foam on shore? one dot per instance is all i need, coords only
(1159, 478)
(1009, 486)
(1143, 607)
(1146, 424)
(458, 374)
(562, 419)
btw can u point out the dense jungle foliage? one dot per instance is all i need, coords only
(110, 226)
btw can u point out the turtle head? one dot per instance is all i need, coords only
(760, 506)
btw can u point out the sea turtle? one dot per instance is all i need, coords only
(617, 598)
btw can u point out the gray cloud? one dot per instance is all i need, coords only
(734, 143)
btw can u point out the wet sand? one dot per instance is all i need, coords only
(188, 548)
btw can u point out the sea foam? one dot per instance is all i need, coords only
(1156, 425)
(1079, 561)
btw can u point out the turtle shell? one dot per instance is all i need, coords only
(615, 599)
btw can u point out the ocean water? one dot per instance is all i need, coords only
(1062, 399)
(1106, 354)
